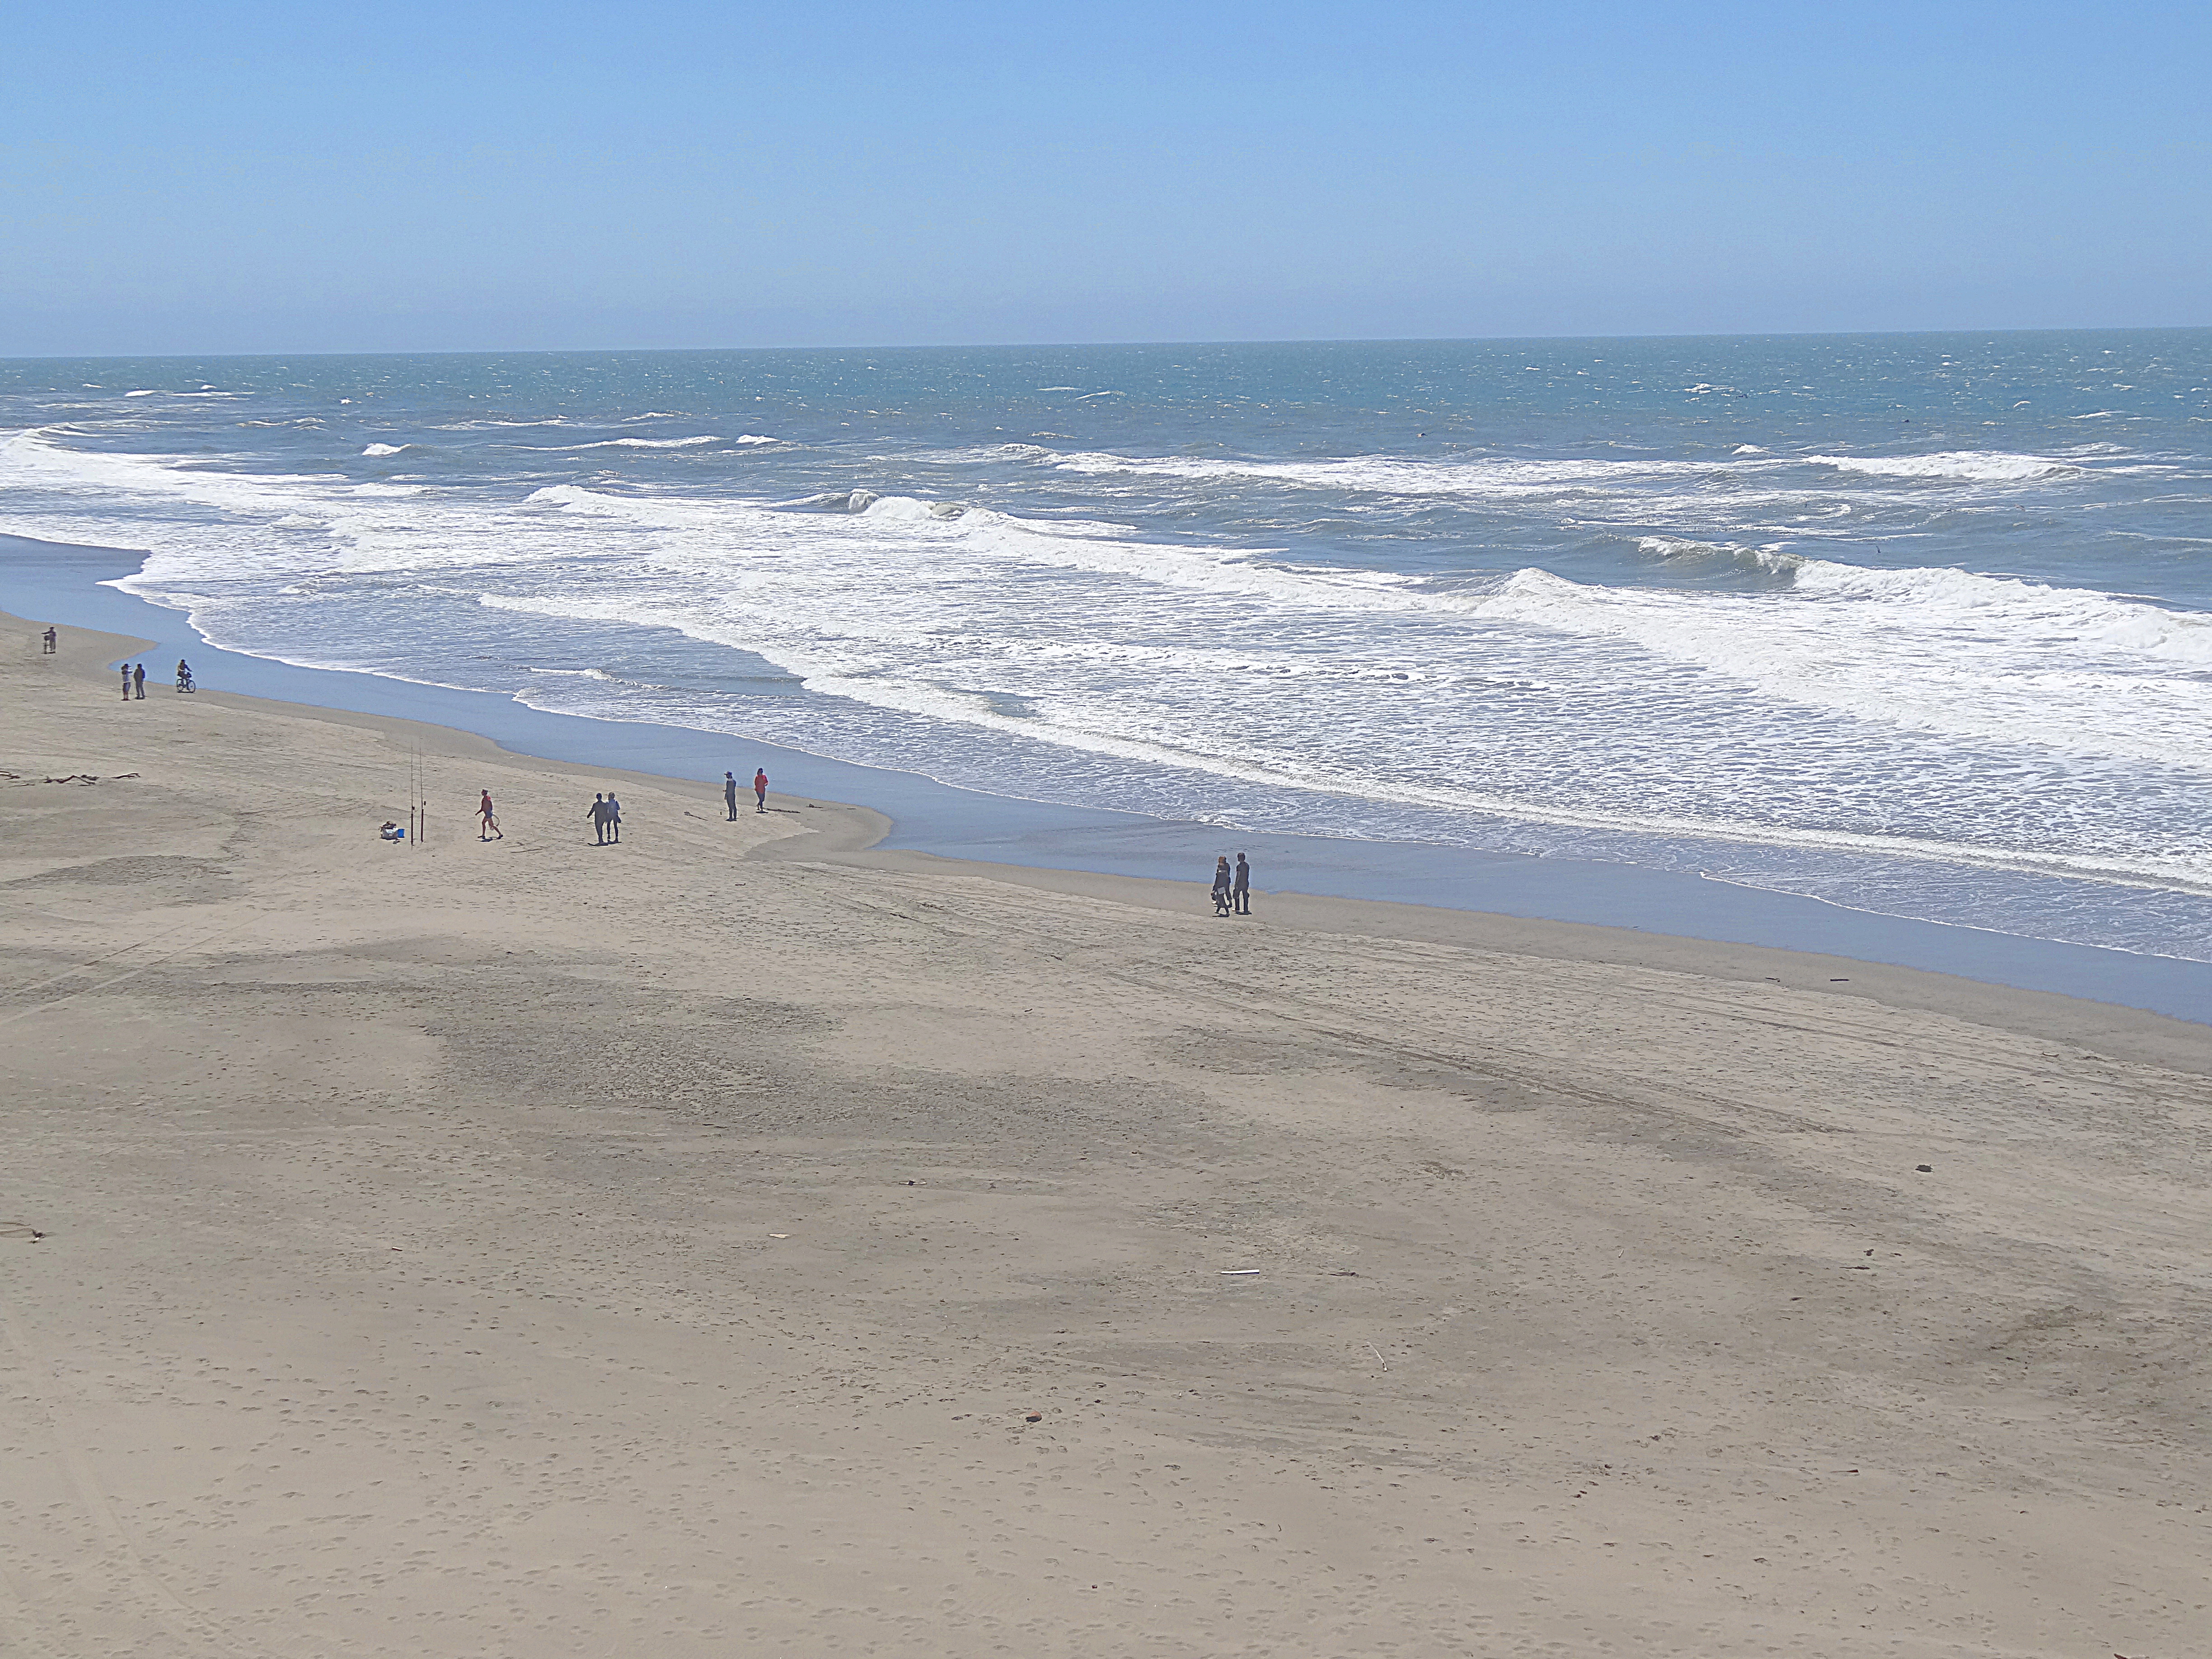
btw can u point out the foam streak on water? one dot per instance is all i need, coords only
(1891, 621)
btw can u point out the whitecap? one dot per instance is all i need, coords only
(384, 449)
(623, 443)
(1960, 465)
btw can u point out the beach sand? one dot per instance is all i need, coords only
(736, 1242)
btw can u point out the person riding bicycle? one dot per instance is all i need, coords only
(184, 675)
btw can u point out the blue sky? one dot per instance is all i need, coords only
(485, 176)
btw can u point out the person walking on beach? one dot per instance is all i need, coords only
(138, 680)
(126, 682)
(1240, 888)
(1221, 885)
(730, 793)
(599, 818)
(51, 647)
(760, 790)
(614, 817)
(491, 829)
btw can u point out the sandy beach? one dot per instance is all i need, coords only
(738, 1241)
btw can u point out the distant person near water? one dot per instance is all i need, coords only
(730, 793)
(599, 813)
(184, 675)
(126, 682)
(491, 829)
(1221, 886)
(138, 681)
(51, 644)
(614, 817)
(1240, 887)
(760, 790)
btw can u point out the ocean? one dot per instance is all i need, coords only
(1919, 625)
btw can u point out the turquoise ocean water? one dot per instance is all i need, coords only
(1917, 625)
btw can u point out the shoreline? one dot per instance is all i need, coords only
(850, 835)
(1075, 849)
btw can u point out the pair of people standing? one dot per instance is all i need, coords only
(1232, 889)
(759, 791)
(606, 818)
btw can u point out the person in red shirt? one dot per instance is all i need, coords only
(760, 790)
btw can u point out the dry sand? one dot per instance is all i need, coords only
(537, 1249)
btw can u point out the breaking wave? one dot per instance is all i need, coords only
(1963, 465)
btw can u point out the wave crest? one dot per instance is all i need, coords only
(1769, 560)
(1956, 465)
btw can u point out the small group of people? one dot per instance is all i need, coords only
(134, 679)
(760, 791)
(605, 812)
(1232, 889)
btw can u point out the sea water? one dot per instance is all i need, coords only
(1917, 625)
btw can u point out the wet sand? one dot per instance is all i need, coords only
(530, 1247)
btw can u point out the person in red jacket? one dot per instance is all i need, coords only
(760, 790)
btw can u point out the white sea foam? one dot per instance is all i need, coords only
(492, 423)
(754, 438)
(626, 443)
(1507, 477)
(384, 449)
(1492, 475)
(1921, 649)
(1963, 465)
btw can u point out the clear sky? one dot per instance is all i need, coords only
(478, 175)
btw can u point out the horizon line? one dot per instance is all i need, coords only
(1077, 345)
